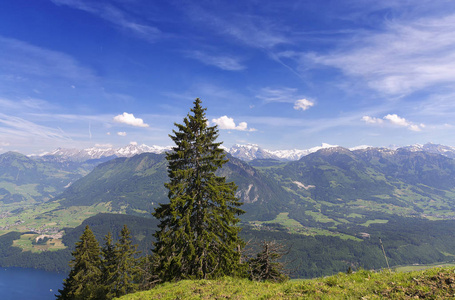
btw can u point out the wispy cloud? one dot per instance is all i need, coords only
(20, 60)
(405, 57)
(121, 133)
(285, 94)
(248, 29)
(372, 120)
(115, 16)
(13, 127)
(224, 62)
(226, 122)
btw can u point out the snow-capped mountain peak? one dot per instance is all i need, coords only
(245, 152)
(100, 152)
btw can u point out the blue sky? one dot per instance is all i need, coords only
(281, 74)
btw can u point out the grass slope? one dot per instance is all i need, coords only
(436, 283)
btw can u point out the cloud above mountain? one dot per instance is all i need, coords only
(395, 120)
(130, 119)
(225, 122)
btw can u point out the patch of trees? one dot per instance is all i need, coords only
(102, 273)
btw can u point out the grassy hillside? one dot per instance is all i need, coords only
(26, 181)
(437, 283)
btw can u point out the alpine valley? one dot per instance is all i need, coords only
(329, 204)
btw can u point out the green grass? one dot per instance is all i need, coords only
(436, 283)
(47, 215)
(375, 221)
(410, 268)
(25, 243)
(296, 228)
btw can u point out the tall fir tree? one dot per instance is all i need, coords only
(83, 281)
(198, 233)
(121, 266)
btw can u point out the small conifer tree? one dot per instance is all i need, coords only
(120, 265)
(265, 266)
(198, 233)
(83, 281)
(109, 265)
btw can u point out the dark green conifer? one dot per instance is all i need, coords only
(123, 267)
(83, 281)
(198, 233)
(109, 265)
(265, 266)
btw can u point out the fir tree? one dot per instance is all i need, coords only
(121, 266)
(109, 265)
(198, 233)
(83, 281)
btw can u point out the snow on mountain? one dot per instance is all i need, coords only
(433, 148)
(250, 152)
(253, 151)
(361, 147)
(245, 152)
(296, 154)
(100, 152)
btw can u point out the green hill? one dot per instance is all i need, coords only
(336, 186)
(27, 180)
(136, 185)
(331, 207)
(436, 283)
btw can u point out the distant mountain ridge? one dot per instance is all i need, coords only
(101, 152)
(246, 152)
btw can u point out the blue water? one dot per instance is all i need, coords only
(29, 284)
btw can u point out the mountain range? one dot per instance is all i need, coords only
(245, 152)
(333, 197)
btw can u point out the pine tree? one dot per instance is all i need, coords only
(109, 265)
(121, 266)
(198, 235)
(83, 281)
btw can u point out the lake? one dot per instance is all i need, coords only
(29, 284)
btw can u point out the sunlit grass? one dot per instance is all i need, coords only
(436, 283)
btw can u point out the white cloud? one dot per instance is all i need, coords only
(225, 122)
(395, 120)
(403, 58)
(129, 119)
(121, 133)
(372, 120)
(303, 104)
(229, 63)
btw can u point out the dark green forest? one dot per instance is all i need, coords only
(406, 241)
